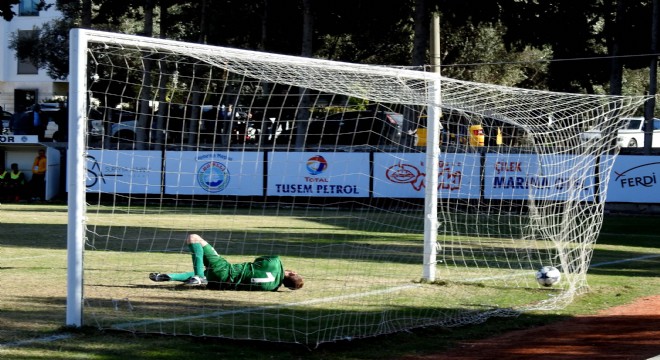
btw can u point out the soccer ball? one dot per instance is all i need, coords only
(548, 275)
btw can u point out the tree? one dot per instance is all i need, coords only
(47, 49)
(8, 14)
(5, 9)
(144, 114)
(303, 116)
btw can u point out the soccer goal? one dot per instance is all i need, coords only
(404, 198)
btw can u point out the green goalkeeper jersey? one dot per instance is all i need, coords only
(265, 273)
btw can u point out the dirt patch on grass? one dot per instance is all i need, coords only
(624, 332)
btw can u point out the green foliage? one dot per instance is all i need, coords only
(5, 9)
(497, 64)
(47, 49)
(502, 42)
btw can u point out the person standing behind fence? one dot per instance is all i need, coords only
(4, 183)
(39, 122)
(15, 184)
(38, 181)
(20, 124)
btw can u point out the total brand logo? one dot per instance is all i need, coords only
(316, 165)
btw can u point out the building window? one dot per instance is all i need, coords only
(28, 8)
(26, 66)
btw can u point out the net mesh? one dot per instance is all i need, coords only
(324, 164)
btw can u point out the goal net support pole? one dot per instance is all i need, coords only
(431, 191)
(75, 176)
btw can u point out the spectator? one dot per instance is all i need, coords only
(62, 121)
(38, 181)
(19, 124)
(32, 122)
(15, 184)
(39, 122)
(4, 183)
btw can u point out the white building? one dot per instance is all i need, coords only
(21, 83)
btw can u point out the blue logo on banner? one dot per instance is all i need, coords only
(213, 176)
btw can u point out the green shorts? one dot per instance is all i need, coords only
(218, 267)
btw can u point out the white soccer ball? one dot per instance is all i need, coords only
(548, 275)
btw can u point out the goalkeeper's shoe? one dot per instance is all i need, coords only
(195, 281)
(159, 277)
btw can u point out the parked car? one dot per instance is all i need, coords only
(630, 135)
(352, 128)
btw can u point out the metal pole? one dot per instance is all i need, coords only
(433, 127)
(75, 175)
(649, 110)
(431, 183)
(435, 43)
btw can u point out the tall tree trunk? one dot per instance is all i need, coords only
(421, 43)
(265, 85)
(649, 112)
(303, 115)
(616, 70)
(144, 124)
(194, 120)
(86, 16)
(163, 79)
(264, 27)
(203, 27)
(421, 36)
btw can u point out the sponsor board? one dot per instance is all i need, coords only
(539, 177)
(634, 179)
(403, 175)
(213, 173)
(123, 172)
(318, 174)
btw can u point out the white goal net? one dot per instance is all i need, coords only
(404, 199)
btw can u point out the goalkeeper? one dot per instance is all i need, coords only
(265, 273)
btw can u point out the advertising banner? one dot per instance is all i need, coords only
(403, 175)
(214, 173)
(318, 174)
(18, 139)
(634, 179)
(539, 177)
(123, 172)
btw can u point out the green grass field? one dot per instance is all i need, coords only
(33, 297)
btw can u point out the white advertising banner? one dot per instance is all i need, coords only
(540, 177)
(634, 179)
(214, 173)
(123, 172)
(318, 174)
(403, 175)
(18, 139)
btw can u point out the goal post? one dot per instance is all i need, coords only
(431, 191)
(317, 162)
(76, 176)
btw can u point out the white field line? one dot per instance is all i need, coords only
(278, 306)
(37, 340)
(307, 302)
(626, 260)
(335, 298)
(645, 257)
